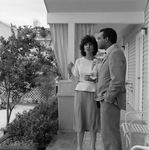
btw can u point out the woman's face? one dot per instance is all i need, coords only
(89, 48)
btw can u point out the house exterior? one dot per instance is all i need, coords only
(5, 29)
(70, 20)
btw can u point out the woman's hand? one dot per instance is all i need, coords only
(89, 78)
(69, 68)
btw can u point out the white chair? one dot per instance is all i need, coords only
(132, 127)
(140, 147)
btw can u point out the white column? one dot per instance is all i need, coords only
(71, 42)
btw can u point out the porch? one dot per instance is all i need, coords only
(68, 140)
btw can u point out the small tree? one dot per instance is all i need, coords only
(22, 61)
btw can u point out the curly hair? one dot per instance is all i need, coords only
(88, 39)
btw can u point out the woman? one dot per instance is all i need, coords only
(86, 113)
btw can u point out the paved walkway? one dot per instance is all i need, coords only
(18, 109)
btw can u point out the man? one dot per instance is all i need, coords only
(111, 89)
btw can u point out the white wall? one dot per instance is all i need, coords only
(5, 30)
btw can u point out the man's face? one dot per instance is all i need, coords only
(101, 41)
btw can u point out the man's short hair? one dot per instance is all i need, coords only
(110, 33)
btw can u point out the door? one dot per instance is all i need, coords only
(138, 76)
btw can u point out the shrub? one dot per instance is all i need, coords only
(38, 125)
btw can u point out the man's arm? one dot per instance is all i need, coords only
(117, 67)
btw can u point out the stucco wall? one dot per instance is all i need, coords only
(5, 30)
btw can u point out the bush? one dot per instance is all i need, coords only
(38, 125)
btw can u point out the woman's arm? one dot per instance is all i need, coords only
(70, 73)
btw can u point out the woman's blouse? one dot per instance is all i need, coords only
(84, 67)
